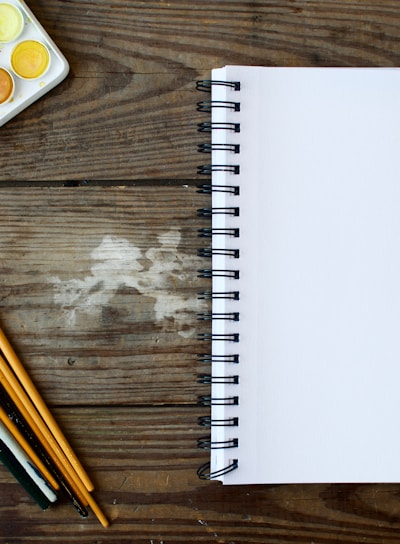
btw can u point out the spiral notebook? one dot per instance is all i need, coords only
(305, 249)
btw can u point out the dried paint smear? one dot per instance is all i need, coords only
(116, 263)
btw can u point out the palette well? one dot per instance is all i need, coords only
(30, 62)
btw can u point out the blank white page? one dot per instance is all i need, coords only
(319, 275)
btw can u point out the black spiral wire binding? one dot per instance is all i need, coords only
(209, 379)
(214, 273)
(234, 337)
(210, 316)
(209, 232)
(206, 106)
(208, 148)
(208, 400)
(208, 189)
(209, 252)
(206, 421)
(206, 84)
(206, 443)
(210, 295)
(204, 471)
(209, 126)
(208, 169)
(206, 358)
(209, 212)
(212, 233)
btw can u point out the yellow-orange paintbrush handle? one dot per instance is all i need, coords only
(41, 407)
(28, 411)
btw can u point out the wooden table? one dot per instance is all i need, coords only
(98, 245)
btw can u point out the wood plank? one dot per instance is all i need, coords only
(128, 108)
(98, 284)
(143, 462)
(99, 290)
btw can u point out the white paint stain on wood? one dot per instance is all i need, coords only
(117, 263)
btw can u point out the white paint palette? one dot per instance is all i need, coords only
(30, 62)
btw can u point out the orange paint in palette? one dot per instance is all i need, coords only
(6, 86)
(30, 62)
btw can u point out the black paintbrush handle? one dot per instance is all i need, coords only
(15, 416)
(17, 470)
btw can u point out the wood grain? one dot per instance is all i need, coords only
(143, 463)
(99, 287)
(98, 283)
(128, 108)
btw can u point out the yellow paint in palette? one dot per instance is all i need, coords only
(30, 59)
(30, 62)
(11, 23)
